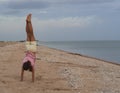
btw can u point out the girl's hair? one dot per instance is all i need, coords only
(27, 66)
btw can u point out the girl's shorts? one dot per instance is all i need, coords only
(31, 46)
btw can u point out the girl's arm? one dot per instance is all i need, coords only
(33, 74)
(22, 73)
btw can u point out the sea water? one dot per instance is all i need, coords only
(105, 50)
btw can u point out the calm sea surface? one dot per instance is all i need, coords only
(105, 50)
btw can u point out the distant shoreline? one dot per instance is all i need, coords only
(103, 50)
(4, 43)
(111, 62)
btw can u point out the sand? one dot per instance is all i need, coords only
(56, 72)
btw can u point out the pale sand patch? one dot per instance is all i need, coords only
(56, 72)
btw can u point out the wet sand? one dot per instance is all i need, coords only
(56, 72)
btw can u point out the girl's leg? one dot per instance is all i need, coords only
(30, 28)
(27, 29)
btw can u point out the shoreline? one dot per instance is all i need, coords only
(103, 50)
(111, 62)
(22, 41)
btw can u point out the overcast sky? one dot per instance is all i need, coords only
(61, 20)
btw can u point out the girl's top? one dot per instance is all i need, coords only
(29, 57)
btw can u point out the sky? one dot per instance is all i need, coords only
(61, 20)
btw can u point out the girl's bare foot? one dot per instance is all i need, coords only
(28, 19)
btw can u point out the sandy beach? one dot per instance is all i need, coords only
(56, 72)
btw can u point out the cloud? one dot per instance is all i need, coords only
(12, 28)
(18, 23)
(78, 1)
(27, 4)
(41, 4)
(13, 24)
(67, 23)
(21, 7)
